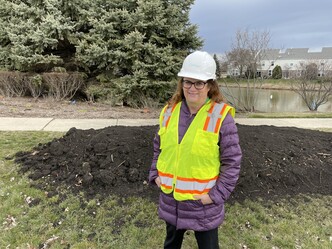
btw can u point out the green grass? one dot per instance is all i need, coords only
(290, 115)
(303, 221)
(263, 83)
(70, 221)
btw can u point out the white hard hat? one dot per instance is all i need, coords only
(199, 65)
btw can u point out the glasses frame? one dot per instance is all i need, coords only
(193, 83)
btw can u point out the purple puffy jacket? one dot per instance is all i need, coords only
(193, 215)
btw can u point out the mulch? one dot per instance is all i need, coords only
(278, 162)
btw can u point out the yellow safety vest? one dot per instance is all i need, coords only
(192, 166)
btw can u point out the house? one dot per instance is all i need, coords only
(294, 60)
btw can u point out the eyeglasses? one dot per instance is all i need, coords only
(199, 85)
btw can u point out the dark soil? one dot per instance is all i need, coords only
(277, 162)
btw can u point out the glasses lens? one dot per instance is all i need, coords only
(187, 84)
(199, 85)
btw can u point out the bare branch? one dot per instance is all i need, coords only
(243, 61)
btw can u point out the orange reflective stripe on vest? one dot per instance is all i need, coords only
(214, 118)
(166, 180)
(194, 186)
(208, 118)
(167, 115)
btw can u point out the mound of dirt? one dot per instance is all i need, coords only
(277, 162)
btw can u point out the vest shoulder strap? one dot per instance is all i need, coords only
(216, 115)
(166, 115)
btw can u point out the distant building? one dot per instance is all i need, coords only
(294, 60)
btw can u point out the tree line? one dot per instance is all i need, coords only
(126, 52)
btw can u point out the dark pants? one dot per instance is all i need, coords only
(205, 240)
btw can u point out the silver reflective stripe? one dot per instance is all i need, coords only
(214, 116)
(168, 181)
(194, 186)
(167, 114)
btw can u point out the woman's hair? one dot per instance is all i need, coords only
(214, 93)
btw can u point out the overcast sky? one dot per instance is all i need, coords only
(291, 23)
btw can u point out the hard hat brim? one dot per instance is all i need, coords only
(195, 76)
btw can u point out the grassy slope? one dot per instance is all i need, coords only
(302, 222)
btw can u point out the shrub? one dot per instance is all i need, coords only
(34, 84)
(131, 90)
(12, 84)
(102, 92)
(63, 85)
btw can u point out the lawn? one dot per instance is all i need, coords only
(32, 218)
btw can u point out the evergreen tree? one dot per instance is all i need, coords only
(149, 35)
(277, 72)
(32, 34)
(118, 36)
(218, 70)
(136, 42)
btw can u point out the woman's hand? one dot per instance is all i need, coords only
(205, 199)
(157, 181)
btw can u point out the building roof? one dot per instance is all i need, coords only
(324, 53)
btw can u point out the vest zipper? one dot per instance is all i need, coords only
(176, 166)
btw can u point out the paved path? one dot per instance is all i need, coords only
(56, 124)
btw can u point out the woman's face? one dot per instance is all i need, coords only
(195, 96)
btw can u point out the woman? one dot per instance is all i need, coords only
(197, 155)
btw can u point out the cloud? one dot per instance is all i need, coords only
(292, 23)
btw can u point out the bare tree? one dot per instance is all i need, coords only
(223, 65)
(314, 83)
(248, 50)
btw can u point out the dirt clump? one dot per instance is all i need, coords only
(277, 162)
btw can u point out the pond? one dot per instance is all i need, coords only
(271, 100)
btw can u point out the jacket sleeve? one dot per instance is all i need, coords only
(230, 160)
(153, 174)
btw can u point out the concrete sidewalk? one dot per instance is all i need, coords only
(56, 124)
